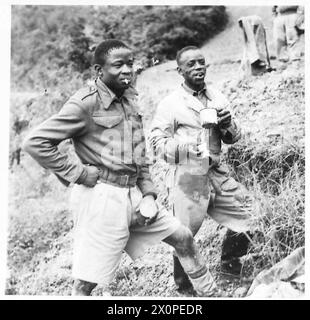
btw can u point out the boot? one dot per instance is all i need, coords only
(258, 67)
(181, 279)
(234, 246)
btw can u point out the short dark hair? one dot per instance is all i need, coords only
(104, 48)
(180, 52)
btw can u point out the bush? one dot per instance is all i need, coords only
(177, 27)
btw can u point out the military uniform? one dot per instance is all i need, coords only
(107, 133)
(205, 187)
(200, 186)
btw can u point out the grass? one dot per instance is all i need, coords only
(281, 223)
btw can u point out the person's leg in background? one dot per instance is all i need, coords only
(292, 36)
(279, 36)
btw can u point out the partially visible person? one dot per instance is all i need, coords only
(300, 21)
(285, 32)
(113, 197)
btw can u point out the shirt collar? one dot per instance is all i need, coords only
(108, 96)
(196, 93)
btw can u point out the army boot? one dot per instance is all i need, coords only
(234, 246)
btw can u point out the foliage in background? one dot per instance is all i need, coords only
(159, 31)
(47, 38)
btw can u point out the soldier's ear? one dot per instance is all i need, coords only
(98, 69)
(180, 71)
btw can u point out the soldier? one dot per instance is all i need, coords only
(197, 183)
(285, 32)
(113, 197)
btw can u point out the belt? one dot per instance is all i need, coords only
(110, 177)
(290, 11)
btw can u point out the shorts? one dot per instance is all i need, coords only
(105, 226)
(215, 194)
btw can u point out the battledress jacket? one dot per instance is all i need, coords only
(177, 123)
(106, 132)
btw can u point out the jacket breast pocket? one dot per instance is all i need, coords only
(107, 121)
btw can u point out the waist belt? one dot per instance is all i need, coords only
(289, 11)
(110, 177)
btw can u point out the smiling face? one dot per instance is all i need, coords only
(117, 70)
(192, 67)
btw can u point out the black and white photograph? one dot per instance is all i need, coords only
(156, 150)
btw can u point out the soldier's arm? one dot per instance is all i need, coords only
(161, 137)
(42, 142)
(231, 133)
(145, 183)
